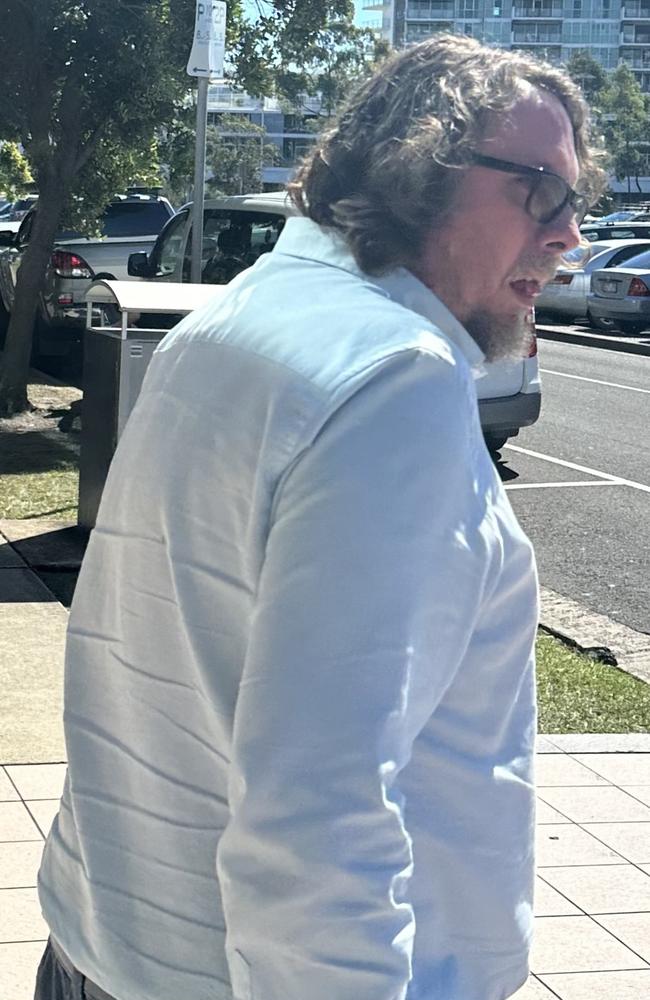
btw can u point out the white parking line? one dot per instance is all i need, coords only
(546, 486)
(596, 381)
(579, 468)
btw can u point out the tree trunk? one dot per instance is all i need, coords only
(29, 284)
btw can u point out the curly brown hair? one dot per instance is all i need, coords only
(388, 167)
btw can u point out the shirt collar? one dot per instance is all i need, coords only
(301, 237)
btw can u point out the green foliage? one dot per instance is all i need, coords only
(625, 122)
(590, 76)
(282, 34)
(235, 154)
(338, 58)
(620, 110)
(15, 176)
(85, 83)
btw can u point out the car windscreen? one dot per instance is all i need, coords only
(126, 219)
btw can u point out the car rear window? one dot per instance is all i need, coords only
(137, 218)
(641, 260)
(128, 218)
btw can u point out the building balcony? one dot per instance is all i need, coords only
(637, 62)
(430, 13)
(545, 13)
(638, 37)
(635, 12)
(531, 37)
(550, 53)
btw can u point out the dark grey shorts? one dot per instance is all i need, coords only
(57, 979)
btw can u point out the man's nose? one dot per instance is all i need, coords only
(561, 234)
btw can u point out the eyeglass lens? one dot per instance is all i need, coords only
(548, 197)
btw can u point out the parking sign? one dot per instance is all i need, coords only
(206, 57)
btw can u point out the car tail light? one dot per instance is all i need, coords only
(530, 323)
(638, 287)
(70, 265)
(562, 279)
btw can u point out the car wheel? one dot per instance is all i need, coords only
(495, 442)
(631, 328)
(607, 325)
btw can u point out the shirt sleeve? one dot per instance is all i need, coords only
(370, 589)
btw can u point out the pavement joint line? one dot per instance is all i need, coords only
(618, 480)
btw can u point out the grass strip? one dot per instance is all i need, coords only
(52, 494)
(579, 695)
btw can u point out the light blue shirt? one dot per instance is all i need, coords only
(300, 711)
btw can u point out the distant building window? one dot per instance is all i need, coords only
(577, 8)
(497, 10)
(607, 8)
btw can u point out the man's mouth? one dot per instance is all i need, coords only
(526, 290)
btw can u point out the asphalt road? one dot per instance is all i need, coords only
(591, 524)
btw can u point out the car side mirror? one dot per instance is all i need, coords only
(138, 265)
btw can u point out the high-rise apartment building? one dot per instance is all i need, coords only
(613, 31)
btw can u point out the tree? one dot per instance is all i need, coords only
(15, 176)
(289, 60)
(626, 124)
(236, 151)
(339, 56)
(235, 155)
(83, 82)
(86, 85)
(591, 77)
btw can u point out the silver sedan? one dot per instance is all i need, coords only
(619, 298)
(565, 297)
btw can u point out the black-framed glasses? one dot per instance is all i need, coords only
(549, 193)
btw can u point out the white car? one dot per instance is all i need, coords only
(565, 297)
(239, 229)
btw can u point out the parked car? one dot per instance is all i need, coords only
(565, 297)
(631, 214)
(236, 231)
(130, 222)
(630, 230)
(239, 229)
(13, 213)
(619, 298)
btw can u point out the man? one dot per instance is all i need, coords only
(299, 681)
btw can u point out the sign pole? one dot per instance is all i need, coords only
(199, 178)
(205, 63)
